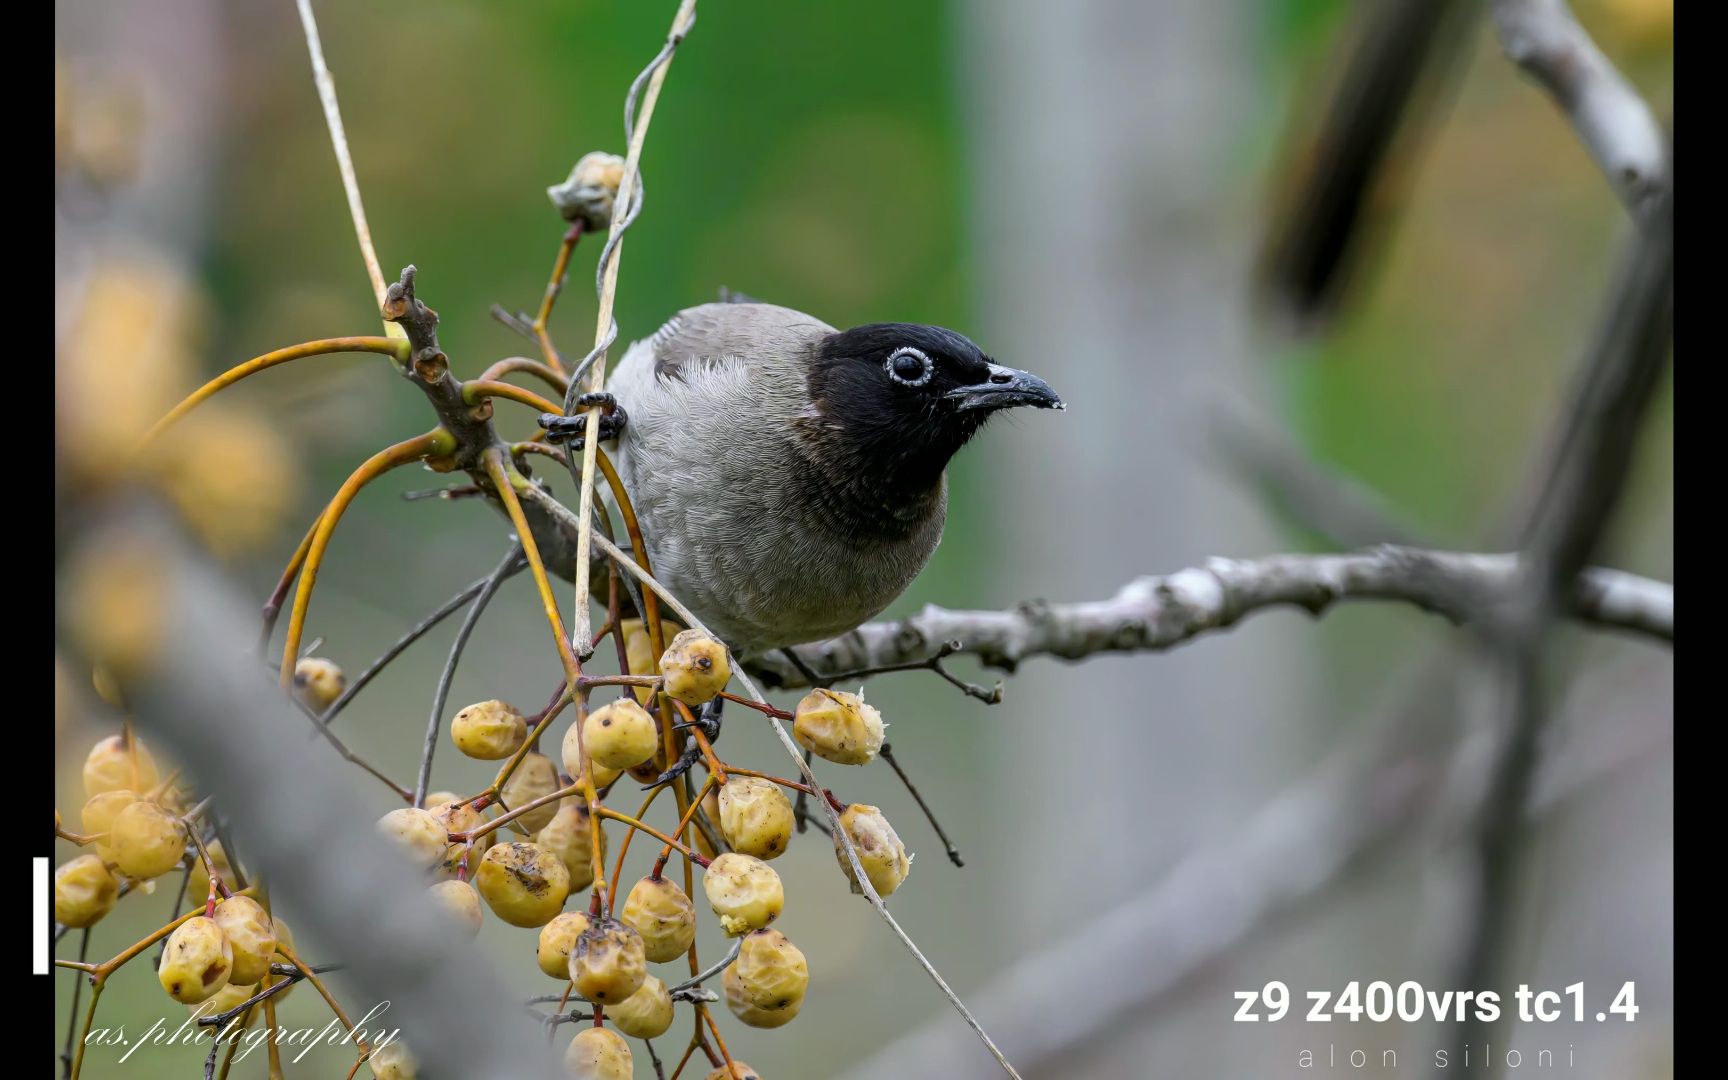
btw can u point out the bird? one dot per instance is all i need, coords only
(789, 478)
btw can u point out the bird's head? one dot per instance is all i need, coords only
(899, 399)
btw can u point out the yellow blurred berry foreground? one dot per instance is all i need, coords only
(620, 735)
(695, 667)
(197, 961)
(84, 891)
(739, 1071)
(418, 834)
(646, 1014)
(462, 902)
(489, 730)
(599, 1054)
(147, 841)
(523, 884)
(665, 917)
(755, 817)
(570, 837)
(744, 892)
(557, 938)
(318, 683)
(114, 766)
(838, 727)
(393, 1062)
(880, 851)
(535, 778)
(251, 937)
(607, 963)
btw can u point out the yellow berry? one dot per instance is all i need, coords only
(392, 1061)
(660, 912)
(744, 892)
(646, 1014)
(224, 999)
(838, 727)
(620, 735)
(113, 766)
(457, 817)
(557, 938)
(739, 1071)
(603, 774)
(523, 884)
(569, 837)
(197, 961)
(462, 902)
(599, 1054)
(535, 778)
(772, 972)
(439, 798)
(84, 891)
(251, 937)
(607, 963)
(695, 667)
(738, 1001)
(147, 840)
(879, 849)
(755, 816)
(418, 833)
(318, 682)
(489, 730)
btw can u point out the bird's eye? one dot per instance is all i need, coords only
(909, 366)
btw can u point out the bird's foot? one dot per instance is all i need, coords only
(572, 430)
(708, 722)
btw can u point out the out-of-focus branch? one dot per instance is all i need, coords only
(1295, 850)
(1585, 484)
(1334, 178)
(1617, 127)
(1156, 613)
(345, 887)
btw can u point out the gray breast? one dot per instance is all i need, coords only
(712, 462)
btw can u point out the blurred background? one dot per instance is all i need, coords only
(1092, 190)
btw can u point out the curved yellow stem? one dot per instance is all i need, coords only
(435, 442)
(512, 364)
(476, 389)
(387, 346)
(504, 479)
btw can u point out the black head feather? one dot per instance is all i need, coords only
(890, 405)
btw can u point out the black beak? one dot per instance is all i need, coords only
(1006, 388)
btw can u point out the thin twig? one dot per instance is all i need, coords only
(929, 815)
(326, 85)
(512, 562)
(415, 633)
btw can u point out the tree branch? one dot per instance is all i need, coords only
(1155, 613)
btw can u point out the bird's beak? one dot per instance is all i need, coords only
(1006, 388)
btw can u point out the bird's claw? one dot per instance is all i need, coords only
(691, 755)
(572, 430)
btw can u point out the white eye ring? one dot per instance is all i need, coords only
(907, 350)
